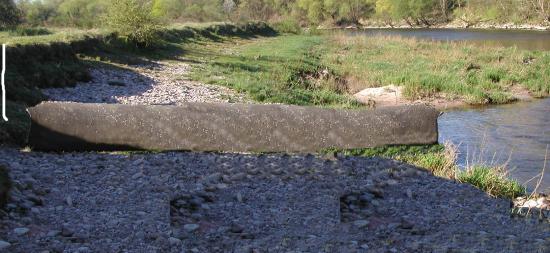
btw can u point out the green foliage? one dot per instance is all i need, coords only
(38, 13)
(336, 11)
(134, 22)
(493, 181)
(167, 9)
(288, 26)
(29, 31)
(9, 14)
(84, 13)
(81, 13)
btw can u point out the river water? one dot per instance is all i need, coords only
(522, 39)
(516, 134)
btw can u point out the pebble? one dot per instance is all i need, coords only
(69, 201)
(66, 231)
(125, 215)
(21, 231)
(4, 245)
(190, 227)
(361, 223)
(405, 224)
(239, 197)
(409, 193)
(236, 229)
(174, 241)
(150, 84)
(53, 233)
(83, 249)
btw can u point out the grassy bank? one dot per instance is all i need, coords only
(327, 70)
(284, 69)
(472, 73)
(45, 58)
(440, 160)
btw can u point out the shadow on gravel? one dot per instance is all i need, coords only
(212, 202)
(108, 82)
(348, 205)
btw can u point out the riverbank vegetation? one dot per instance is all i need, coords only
(492, 180)
(426, 69)
(440, 160)
(327, 70)
(290, 72)
(86, 13)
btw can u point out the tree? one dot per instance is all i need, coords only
(9, 14)
(80, 12)
(349, 11)
(133, 21)
(229, 7)
(167, 9)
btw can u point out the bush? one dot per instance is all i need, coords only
(10, 16)
(133, 22)
(29, 31)
(288, 26)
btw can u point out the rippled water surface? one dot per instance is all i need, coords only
(518, 132)
(531, 40)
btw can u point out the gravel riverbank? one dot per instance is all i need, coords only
(155, 83)
(209, 202)
(206, 202)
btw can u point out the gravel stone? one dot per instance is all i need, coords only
(190, 227)
(153, 83)
(361, 223)
(21, 231)
(312, 212)
(4, 245)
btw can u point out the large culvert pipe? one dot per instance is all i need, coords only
(225, 127)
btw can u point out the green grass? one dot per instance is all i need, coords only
(435, 158)
(283, 69)
(473, 73)
(440, 161)
(493, 181)
(38, 36)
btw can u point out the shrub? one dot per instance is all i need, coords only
(10, 16)
(288, 26)
(133, 22)
(29, 31)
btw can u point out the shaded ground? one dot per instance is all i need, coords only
(204, 202)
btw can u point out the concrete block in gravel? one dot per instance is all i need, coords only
(226, 127)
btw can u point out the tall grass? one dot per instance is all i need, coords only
(455, 70)
(440, 160)
(492, 180)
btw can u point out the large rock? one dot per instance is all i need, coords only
(225, 127)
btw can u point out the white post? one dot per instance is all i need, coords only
(3, 83)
